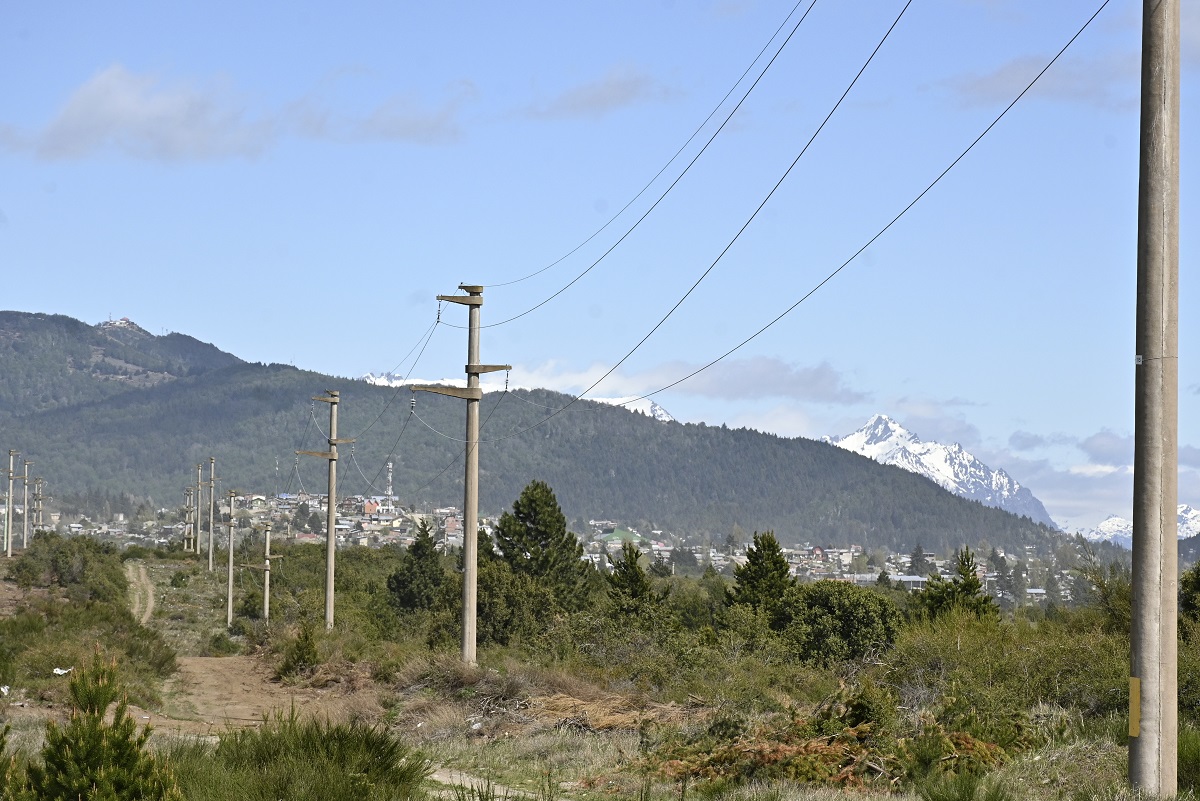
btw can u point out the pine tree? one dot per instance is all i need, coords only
(765, 577)
(535, 542)
(89, 758)
(420, 581)
(919, 565)
(628, 586)
(963, 591)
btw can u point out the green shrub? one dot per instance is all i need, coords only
(983, 676)
(301, 760)
(1189, 759)
(300, 656)
(89, 758)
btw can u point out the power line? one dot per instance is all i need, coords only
(736, 236)
(428, 336)
(454, 461)
(671, 160)
(666, 191)
(844, 264)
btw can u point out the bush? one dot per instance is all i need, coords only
(301, 760)
(982, 676)
(89, 758)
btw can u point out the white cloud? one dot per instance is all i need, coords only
(620, 88)
(1110, 83)
(141, 117)
(786, 420)
(734, 379)
(403, 118)
(1106, 448)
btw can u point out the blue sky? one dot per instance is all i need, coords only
(295, 183)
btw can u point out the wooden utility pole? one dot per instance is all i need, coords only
(8, 507)
(229, 598)
(473, 300)
(331, 397)
(25, 510)
(1154, 681)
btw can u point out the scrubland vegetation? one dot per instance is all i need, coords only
(626, 683)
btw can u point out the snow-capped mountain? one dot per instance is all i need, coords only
(646, 406)
(951, 467)
(1119, 531)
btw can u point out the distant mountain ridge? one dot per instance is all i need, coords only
(1119, 531)
(112, 411)
(51, 361)
(949, 466)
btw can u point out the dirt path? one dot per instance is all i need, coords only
(141, 591)
(209, 694)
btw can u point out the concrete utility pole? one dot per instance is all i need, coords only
(229, 600)
(331, 397)
(473, 300)
(38, 520)
(212, 507)
(25, 510)
(189, 532)
(1154, 682)
(199, 501)
(267, 575)
(8, 507)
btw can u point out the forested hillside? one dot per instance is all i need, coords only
(50, 361)
(87, 431)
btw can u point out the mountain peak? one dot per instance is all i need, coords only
(949, 466)
(1119, 531)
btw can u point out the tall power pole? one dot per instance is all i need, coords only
(25, 510)
(8, 507)
(212, 507)
(38, 520)
(189, 521)
(229, 596)
(331, 397)
(199, 501)
(1154, 682)
(473, 300)
(267, 574)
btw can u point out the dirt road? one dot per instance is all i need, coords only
(141, 590)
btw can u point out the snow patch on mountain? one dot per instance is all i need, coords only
(646, 406)
(949, 466)
(1119, 531)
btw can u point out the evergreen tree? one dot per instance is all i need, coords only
(660, 567)
(963, 591)
(919, 564)
(628, 586)
(89, 758)
(534, 542)
(765, 577)
(420, 581)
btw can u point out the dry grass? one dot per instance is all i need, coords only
(1066, 770)
(187, 616)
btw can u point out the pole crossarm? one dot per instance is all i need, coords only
(468, 300)
(466, 393)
